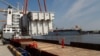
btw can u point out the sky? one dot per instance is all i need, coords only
(68, 13)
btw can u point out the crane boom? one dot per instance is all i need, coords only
(2, 20)
(25, 6)
(8, 4)
(39, 6)
(2, 10)
(45, 7)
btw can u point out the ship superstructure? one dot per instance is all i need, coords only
(12, 24)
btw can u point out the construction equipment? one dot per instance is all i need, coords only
(40, 6)
(3, 10)
(45, 7)
(5, 2)
(2, 20)
(25, 7)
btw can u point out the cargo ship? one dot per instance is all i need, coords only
(26, 23)
(32, 25)
(24, 31)
(12, 23)
(36, 25)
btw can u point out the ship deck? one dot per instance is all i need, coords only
(66, 51)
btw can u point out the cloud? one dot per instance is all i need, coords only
(68, 13)
(81, 8)
(85, 13)
(60, 7)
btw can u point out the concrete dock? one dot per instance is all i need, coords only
(4, 51)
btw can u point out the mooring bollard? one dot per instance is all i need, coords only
(62, 42)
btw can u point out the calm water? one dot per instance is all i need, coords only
(88, 38)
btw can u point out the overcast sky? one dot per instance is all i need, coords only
(68, 13)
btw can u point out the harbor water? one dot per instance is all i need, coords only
(86, 38)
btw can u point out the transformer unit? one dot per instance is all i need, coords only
(38, 23)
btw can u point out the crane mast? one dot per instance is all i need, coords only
(5, 2)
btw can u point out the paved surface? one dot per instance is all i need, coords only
(4, 51)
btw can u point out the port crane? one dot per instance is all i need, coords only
(2, 20)
(25, 7)
(5, 2)
(45, 7)
(3, 10)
